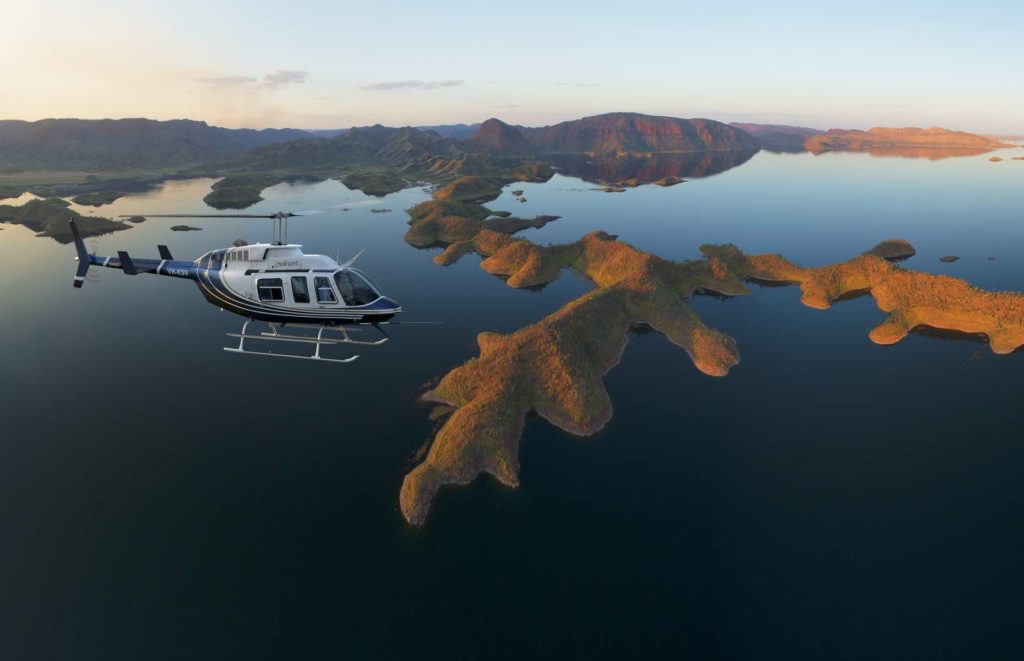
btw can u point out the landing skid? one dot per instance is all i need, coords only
(318, 341)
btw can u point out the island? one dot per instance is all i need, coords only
(911, 299)
(377, 184)
(97, 199)
(554, 367)
(238, 191)
(893, 250)
(50, 217)
(895, 138)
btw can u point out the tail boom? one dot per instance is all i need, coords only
(130, 265)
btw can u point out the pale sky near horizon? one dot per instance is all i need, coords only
(337, 64)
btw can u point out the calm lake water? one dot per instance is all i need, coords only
(830, 498)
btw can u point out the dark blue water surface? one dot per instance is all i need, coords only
(829, 498)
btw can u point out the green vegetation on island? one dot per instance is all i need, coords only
(239, 191)
(377, 184)
(97, 199)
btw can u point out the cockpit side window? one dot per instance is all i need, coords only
(354, 288)
(365, 293)
(324, 293)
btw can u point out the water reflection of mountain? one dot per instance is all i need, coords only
(930, 153)
(638, 170)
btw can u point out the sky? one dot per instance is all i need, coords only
(335, 64)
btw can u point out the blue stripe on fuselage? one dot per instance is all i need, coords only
(169, 267)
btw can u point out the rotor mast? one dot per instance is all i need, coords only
(280, 228)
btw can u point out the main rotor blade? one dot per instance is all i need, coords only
(306, 212)
(353, 260)
(195, 215)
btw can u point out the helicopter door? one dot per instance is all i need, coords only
(300, 289)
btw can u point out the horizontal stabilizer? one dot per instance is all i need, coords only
(164, 253)
(83, 255)
(126, 263)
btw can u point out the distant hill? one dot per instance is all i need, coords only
(457, 131)
(634, 133)
(405, 150)
(498, 136)
(112, 144)
(778, 136)
(885, 138)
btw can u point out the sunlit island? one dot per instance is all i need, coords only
(97, 199)
(377, 184)
(49, 217)
(555, 366)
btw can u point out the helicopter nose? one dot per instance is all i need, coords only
(390, 303)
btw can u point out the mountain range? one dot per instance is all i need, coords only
(635, 133)
(112, 144)
(458, 131)
(188, 146)
(778, 136)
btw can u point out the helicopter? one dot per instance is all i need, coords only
(275, 283)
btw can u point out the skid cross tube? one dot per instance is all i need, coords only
(318, 341)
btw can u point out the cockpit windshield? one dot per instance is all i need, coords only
(354, 288)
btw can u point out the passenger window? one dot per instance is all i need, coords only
(324, 293)
(270, 289)
(300, 289)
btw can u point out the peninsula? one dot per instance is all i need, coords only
(555, 366)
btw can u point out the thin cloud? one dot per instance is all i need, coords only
(274, 80)
(577, 84)
(282, 77)
(508, 105)
(392, 85)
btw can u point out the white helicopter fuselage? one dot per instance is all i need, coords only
(270, 282)
(280, 283)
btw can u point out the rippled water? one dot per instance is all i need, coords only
(830, 498)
